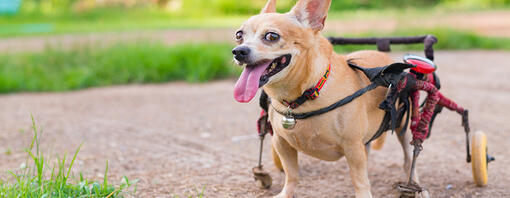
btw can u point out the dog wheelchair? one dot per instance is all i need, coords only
(401, 105)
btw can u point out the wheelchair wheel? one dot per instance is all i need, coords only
(479, 158)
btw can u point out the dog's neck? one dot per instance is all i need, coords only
(304, 74)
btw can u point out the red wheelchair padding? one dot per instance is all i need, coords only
(423, 65)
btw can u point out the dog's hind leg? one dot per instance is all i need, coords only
(407, 149)
(357, 159)
(378, 143)
(289, 158)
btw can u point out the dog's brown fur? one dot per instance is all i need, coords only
(341, 132)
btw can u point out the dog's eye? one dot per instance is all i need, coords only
(239, 35)
(272, 37)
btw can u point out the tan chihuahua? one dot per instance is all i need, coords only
(285, 54)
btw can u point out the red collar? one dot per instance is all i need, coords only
(310, 94)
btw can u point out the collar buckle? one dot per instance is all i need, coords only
(310, 94)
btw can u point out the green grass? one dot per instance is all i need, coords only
(111, 20)
(38, 177)
(25, 26)
(139, 62)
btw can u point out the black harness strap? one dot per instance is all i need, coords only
(385, 125)
(335, 105)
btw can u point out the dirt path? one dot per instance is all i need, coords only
(490, 23)
(176, 137)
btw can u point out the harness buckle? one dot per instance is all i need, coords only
(388, 91)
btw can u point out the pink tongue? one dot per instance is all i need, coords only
(248, 83)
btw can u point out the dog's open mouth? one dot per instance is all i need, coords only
(257, 75)
(276, 66)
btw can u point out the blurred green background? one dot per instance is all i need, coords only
(57, 45)
(61, 16)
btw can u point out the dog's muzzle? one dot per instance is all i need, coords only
(241, 53)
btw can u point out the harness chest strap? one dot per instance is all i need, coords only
(335, 105)
(380, 76)
(376, 81)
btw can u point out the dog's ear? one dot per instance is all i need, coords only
(270, 7)
(311, 12)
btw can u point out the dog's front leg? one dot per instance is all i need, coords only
(288, 157)
(357, 160)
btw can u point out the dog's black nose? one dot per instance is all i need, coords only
(241, 53)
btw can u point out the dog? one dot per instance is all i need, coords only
(285, 54)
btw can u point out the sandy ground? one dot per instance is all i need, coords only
(178, 137)
(488, 23)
